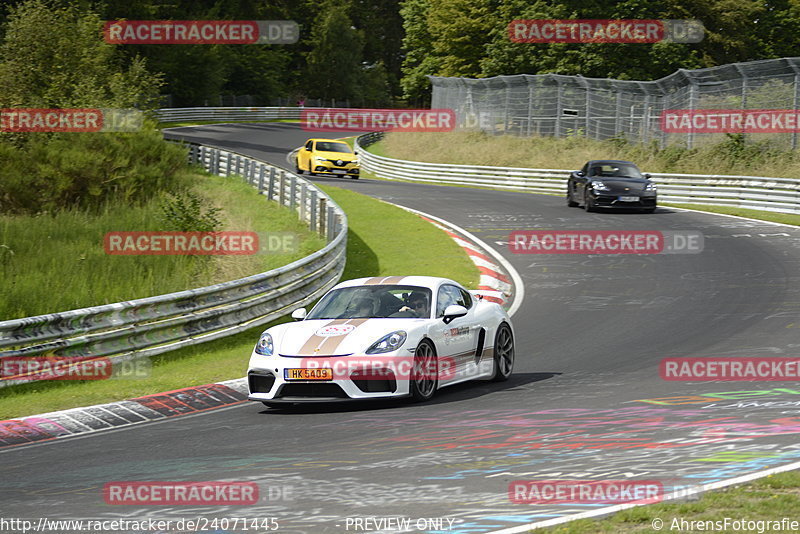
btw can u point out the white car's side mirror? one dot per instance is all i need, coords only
(299, 314)
(454, 311)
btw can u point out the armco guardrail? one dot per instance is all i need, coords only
(232, 114)
(148, 326)
(754, 192)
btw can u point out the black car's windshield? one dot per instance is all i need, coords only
(360, 302)
(618, 170)
(329, 146)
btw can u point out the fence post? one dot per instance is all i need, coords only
(281, 186)
(270, 186)
(261, 172)
(795, 103)
(303, 198)
(312, 220)
(227, 164)
(692, 106)
(559, 108)
(323, 212)
(331, 220)
(530, 104)
(293, 191)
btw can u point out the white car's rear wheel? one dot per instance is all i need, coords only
(503, 353)
(424, 377)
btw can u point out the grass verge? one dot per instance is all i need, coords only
(67, 246)
(785, 218)
(383, 240)
(768, 499)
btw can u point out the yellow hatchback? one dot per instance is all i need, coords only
(327, 156)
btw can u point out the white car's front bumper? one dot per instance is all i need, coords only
(267, 382)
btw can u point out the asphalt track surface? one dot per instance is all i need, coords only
(582, 403)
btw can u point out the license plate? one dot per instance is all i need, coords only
(339, 171)
(325, 373)
(629, 199)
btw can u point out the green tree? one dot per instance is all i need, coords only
(459, 31)
(419, 60)
(55, 57)
(334, 69)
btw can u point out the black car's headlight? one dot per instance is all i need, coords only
(264, 346)
(600, 186)
(388, 343)
(651, 187)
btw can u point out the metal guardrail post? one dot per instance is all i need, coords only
(329, 229)
(262, 169)
(323, 212)
(271, 185)
(312, 220)
(293, 192)
(303, 200)
(281, 187)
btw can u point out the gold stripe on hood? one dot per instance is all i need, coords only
(326, 345)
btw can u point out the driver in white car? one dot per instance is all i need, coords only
(417, 303)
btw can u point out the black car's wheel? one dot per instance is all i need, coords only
(648, 210)
(588, 203)
(503, 353)
(297, 168)
(424, 378)
(571, 203)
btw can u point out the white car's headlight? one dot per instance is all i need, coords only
(388, 343)
(317, 158)
(264, 346)
(600, 186)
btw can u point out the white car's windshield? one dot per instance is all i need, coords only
(390, 301)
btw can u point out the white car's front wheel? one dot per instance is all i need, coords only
(424, 379)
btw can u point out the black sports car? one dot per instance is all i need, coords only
(611, 184)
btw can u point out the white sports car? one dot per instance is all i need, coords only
(381, 337)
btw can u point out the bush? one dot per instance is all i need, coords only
(184, 212)
(86, 170)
